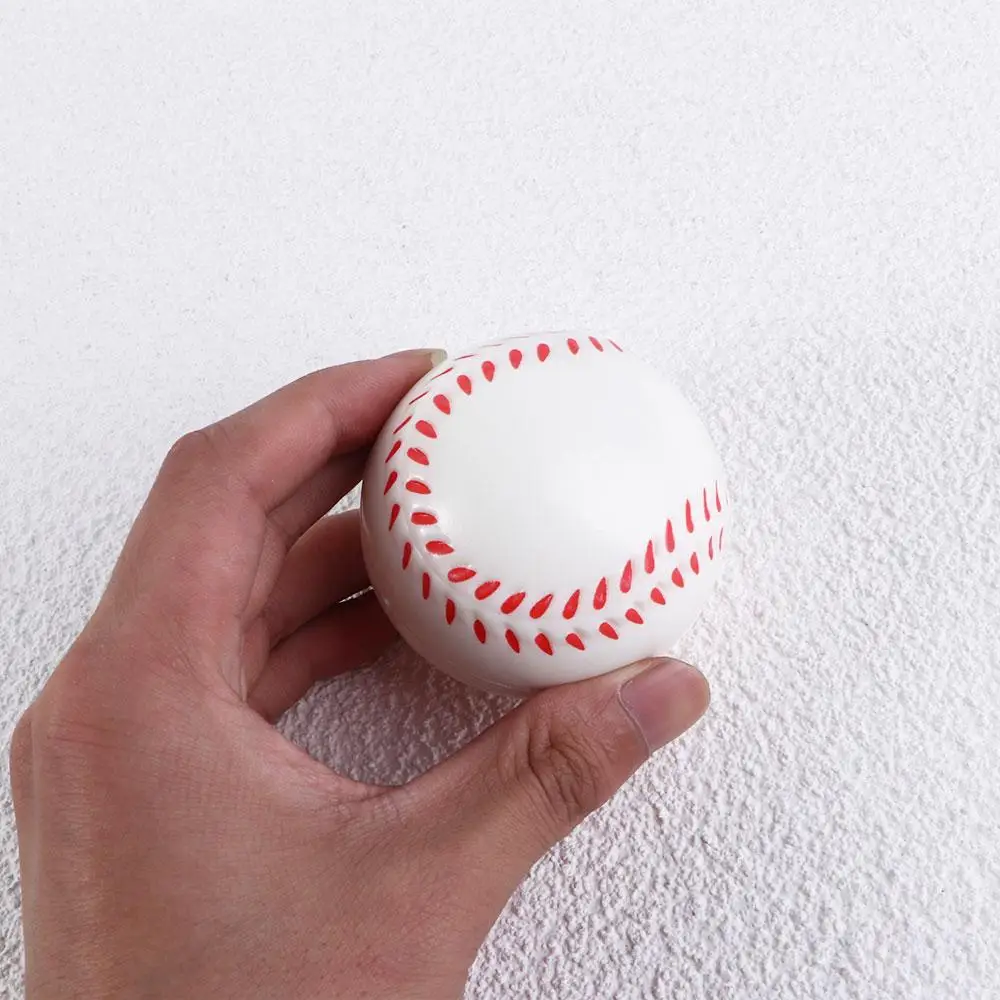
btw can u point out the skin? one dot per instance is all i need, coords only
(174, 844)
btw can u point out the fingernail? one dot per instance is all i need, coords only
(666, 699)
(433, 355)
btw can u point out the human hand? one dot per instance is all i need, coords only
(174, 844)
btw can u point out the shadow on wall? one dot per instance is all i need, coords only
(389, 723)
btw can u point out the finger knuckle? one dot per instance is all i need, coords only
(566, 770)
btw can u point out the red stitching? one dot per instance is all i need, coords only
(485, 590)
(541, 606)
(572, 604)
(512, 603)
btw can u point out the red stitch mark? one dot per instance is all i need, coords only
(650, 564)
(512, 641)
(601, 594)
(574, 348)
(690, 517)
(633, 616)
(575, 641)
(616, 347)
(656, 596)
(442, 374)
(465, 384)
(449, 611)
(407, 552)
(460, 574)
(425, 586)
(543, 353)
(441, 402)
(422, 517)
(572, 604)
(720, 539)
(626, 582)
(515, 359)
(393, 476)
(671, 544)
(708, 513)
(512, 603)
(718, 499)
(439, 548)
(399, 427)
(597, 343)
(464, 357)
(416, 399)
(677, 578)
(542, 642)
(480, 629)
(541, 606)
(484, 590)
(608, 629)
(394, 513)
(488, 370)
(711, 548)
(392, 451)
(418, 455)
(695, 565)
(423, 427)
(416, 486)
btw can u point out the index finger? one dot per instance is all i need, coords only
(270, 448)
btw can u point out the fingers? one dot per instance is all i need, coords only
(509, 796)
(348, 636)
(231, 498)
(275, 445)
(323, 567)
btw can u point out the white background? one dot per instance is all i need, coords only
(792, 208)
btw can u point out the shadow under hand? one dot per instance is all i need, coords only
(392, 721)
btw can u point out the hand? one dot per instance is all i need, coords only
(174, 844)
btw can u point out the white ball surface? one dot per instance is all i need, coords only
(542, 510)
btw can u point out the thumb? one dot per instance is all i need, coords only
(505, 799)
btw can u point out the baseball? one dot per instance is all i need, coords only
(542, 510)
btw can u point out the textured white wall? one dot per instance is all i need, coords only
(792, 207)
